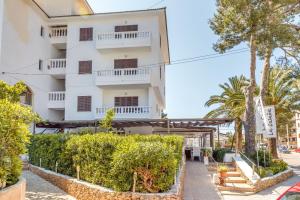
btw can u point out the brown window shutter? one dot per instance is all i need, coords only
(127, 101)
(86, 34)
(84, 104)
(85, 67)
(125, 63)
(135, 101)
(126, 28)
(117, 101)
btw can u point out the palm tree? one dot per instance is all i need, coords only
(284, 93)
(231, 103)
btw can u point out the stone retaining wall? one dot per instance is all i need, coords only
(85, 191)
(14, 192)
(267, 182)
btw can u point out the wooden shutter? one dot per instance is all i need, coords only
(85, 67)
(126, 101)
(125, 63)
(84, 104)
(126, 28)
(86, 34)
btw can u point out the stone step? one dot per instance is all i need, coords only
(237, 187)
(235, 180)
(234, 174)
(236, 193)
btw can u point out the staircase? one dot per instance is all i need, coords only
(235, 184)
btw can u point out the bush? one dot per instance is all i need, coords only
(93, 153)
(218, 154)
(278, 166)
(262, 158)
(153, 162)
(111, 160)
(14, 135)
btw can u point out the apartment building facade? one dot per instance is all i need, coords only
(78, 64)
(294, 133)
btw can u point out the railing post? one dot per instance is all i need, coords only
(78, 172)
(40, 162)
(134, 181)
(56, 165)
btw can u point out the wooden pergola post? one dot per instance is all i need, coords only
(212, 139)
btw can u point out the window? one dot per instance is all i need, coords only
(85, 67)
(126, 28)
(26, 97)
(125, 63)
(86, 34)
(84, 103)
(40, 64)
(126, 101)
(42, 31)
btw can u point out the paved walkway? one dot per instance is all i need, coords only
(274, 192)
(198, 183)
(40, 189)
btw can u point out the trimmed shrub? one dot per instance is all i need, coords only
(111, 160)
(153, 162)
(218, 154)
(48, 148)
(278, 166)
(93, 153)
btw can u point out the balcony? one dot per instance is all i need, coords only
(126, 76)
(58, 36)
(57, 68)
(115, 40)
(126, 112)
(56, 100)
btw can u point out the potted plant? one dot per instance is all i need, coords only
(222, 169)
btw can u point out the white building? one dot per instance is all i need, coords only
(297, 128)
(77, 64)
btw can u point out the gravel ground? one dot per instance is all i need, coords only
(40, 189)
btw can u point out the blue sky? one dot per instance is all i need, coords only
(188, 85)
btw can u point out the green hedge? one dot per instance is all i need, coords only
(218, 154)
(111, 160)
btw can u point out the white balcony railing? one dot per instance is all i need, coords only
(58, 37)
(57, 67)
(123, 39)
(123, 76)
(58, 32)
(126, 111)
(56, 100)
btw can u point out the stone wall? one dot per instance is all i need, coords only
(14, 192)
(85, 191)
(267, 182)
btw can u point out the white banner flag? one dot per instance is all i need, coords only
(265, 119)
(270, 122)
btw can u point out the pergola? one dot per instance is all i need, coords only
(186, 127)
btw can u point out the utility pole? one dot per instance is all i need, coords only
(287, 136)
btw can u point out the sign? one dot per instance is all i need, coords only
(270, 122)
(265, 119)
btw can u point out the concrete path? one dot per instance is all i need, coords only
(198, 183)
(40, 189)
(274, 192)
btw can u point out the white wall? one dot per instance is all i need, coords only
(1, 24)
(22, 47)
(86, 50)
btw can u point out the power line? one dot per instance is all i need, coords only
(155, 4)
(174, 62)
